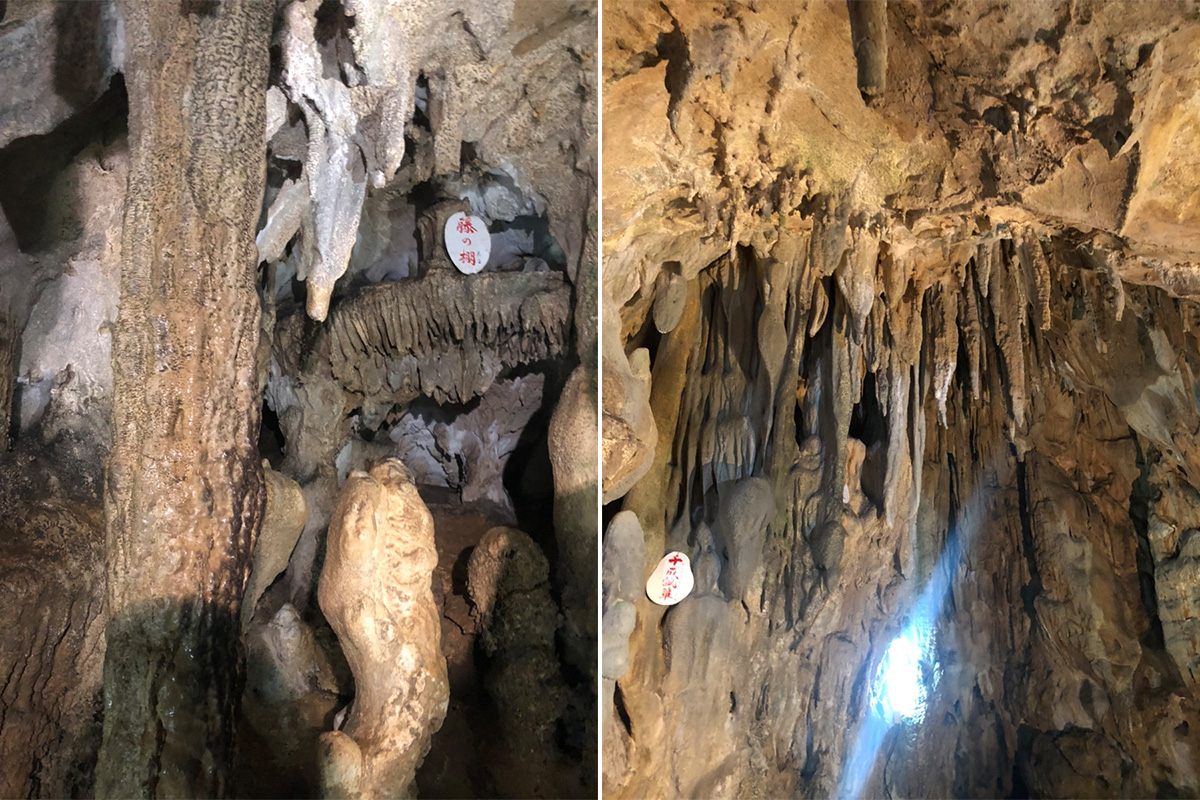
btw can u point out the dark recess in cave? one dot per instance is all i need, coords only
(28, 167)
(1142, 497)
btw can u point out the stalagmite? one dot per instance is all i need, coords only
(375, 592)
(572, 432)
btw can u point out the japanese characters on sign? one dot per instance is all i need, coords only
(671, 581)
(468, 242)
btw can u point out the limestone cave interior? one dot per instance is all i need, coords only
(900, 350)
(289, 505)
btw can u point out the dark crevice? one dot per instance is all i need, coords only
(622, 712)
(1141, 497)
(270, 437)
(1022, 768)
(867, 423)
(1033, 588)
(672, 48)
(812, 759)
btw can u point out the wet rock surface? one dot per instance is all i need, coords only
(927, 309)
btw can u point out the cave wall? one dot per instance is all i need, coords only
(946, 319)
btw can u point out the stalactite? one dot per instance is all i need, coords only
(985, 262)
(1106, 261)
(819, 308)
(856, 275)
(1032, 245)
(945, 345)
(894, 270)
(899, 466)
(874, 350)
(828, 241)
(1008, 316)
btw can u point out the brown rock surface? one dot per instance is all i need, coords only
(183, 486)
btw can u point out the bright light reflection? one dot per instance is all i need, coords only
(900, 684)
(902, 692)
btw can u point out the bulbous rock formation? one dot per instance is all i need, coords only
(283, 520)
(375, 591)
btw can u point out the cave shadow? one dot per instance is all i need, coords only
(175, 659)
(528, 477)
(30, 165)
(79, 58)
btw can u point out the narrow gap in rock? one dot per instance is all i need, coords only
(622, 712)
(1021, 764)
(1033, 587)
(1142, 497)
(270, 437)
(421, 103)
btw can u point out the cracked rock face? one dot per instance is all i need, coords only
(938, 304)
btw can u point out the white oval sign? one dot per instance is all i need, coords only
(468, 242)
(672, 579)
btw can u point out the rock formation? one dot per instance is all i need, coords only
(284, 519)
(375, 592)
(183, 485)
(938, 298)
(509, 583)
(52, 587)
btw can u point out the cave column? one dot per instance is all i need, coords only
(184, 493)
